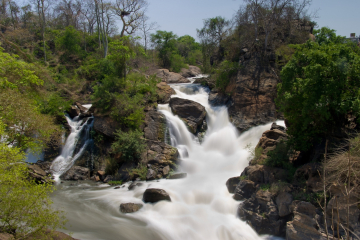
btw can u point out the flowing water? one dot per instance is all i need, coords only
(80, 130)
(201, 207)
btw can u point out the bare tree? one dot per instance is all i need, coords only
(130, 13)
(145, 28)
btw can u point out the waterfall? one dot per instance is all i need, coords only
(79, 132)
(201, 206)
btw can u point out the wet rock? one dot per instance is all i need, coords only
(192, 71)
(164, 92)
(76, 173)
(108, 178)
(160, 153)
(105, 125)
(244, 189)
(123, 173)
(278, 127)
(170, 77)
(302, 227)
(130, 207)
(192, 113)
(166, 170)
(231, 184)
(283, 201)
(38, 174)
(178, 175)
(150, 175)
(263, 174)
(153, 195)
(133, 185)
(206, 82)
(219, 99)
(155, 126)
(73, 112)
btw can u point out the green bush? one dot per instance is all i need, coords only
(177, 63)
(69, 41)
(54, 105)
(113, 183)
(112, 166)
(105, 91)
(129, 144)
(226, 70)
(140, 171)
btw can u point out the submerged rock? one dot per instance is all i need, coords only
(178, 175)
(153, 195)
(134, 184)
(76, 173)
(130, 207)
(192, 113)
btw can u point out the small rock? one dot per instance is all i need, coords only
(151, 175)
(178, 176)
(153, 195)
(130, 207)
(117, 187)
(231, 184)
(134, 184)
(166, 170)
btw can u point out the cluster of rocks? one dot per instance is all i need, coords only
(273, 205)
(170, 77)
(151, 195)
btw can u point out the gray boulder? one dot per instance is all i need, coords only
(153, 195)
(244, 189)
(231, 184)
(192, 113)
(76, 173)
(130, 207)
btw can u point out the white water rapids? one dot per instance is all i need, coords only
(201, 207)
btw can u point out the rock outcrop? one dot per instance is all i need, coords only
(130, 207)
(164, 92)
(76, 173)
(153, 195)
(192, 71)
(192, 113)
(37, 173)
(171, 77)
(105, 125)
(155, 126)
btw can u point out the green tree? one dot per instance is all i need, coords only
(320, 85)
(165, 43)
(131, 145)
(25, 206)
(70, 41)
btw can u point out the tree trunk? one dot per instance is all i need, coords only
(43, 28)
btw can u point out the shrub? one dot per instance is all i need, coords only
(113, 183)
(177, 63)
(140, 171)
(130, 145)
(226, 70)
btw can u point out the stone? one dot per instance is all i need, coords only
(310, 174)
(303, 207)
(231, 184)
(218, 99)
(302, 227)
(155, 126)
(166, 170)
(278, 127)
(192, 113)
(178, 175)
(123, 172)
(260, 174)
(97, 178)
(164, 92)
(153, 195)
(134, 184)
(73, 112)
(130, 207)
(192, 71)
(108, 178)
(244, 189)
(38, 174)
(160, 153)
(105, 125)
(150, 175)
(283, 201)
(262, 198)
(76, 173)
(171, 77)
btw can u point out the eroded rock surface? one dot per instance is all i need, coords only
(192, 113)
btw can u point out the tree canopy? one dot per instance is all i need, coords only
(320, 86)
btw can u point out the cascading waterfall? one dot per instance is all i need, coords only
(201, 206)
(79, 131)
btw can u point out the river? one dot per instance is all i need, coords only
(201, 206)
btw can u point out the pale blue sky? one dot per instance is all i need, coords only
(185, 16)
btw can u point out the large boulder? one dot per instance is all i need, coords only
(192, 71)
(164, 92)
(231, 184)
(105, 125)
(302, 227)
(244, 189)
(310, 173)
(155, 126)
(160, 153)
(153, 195)
(76, 173)
(283, 201)
(219, 98)
(191, 112)
(171, 77)
(130, 207)
(263, 174)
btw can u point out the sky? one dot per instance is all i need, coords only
(183, 17)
